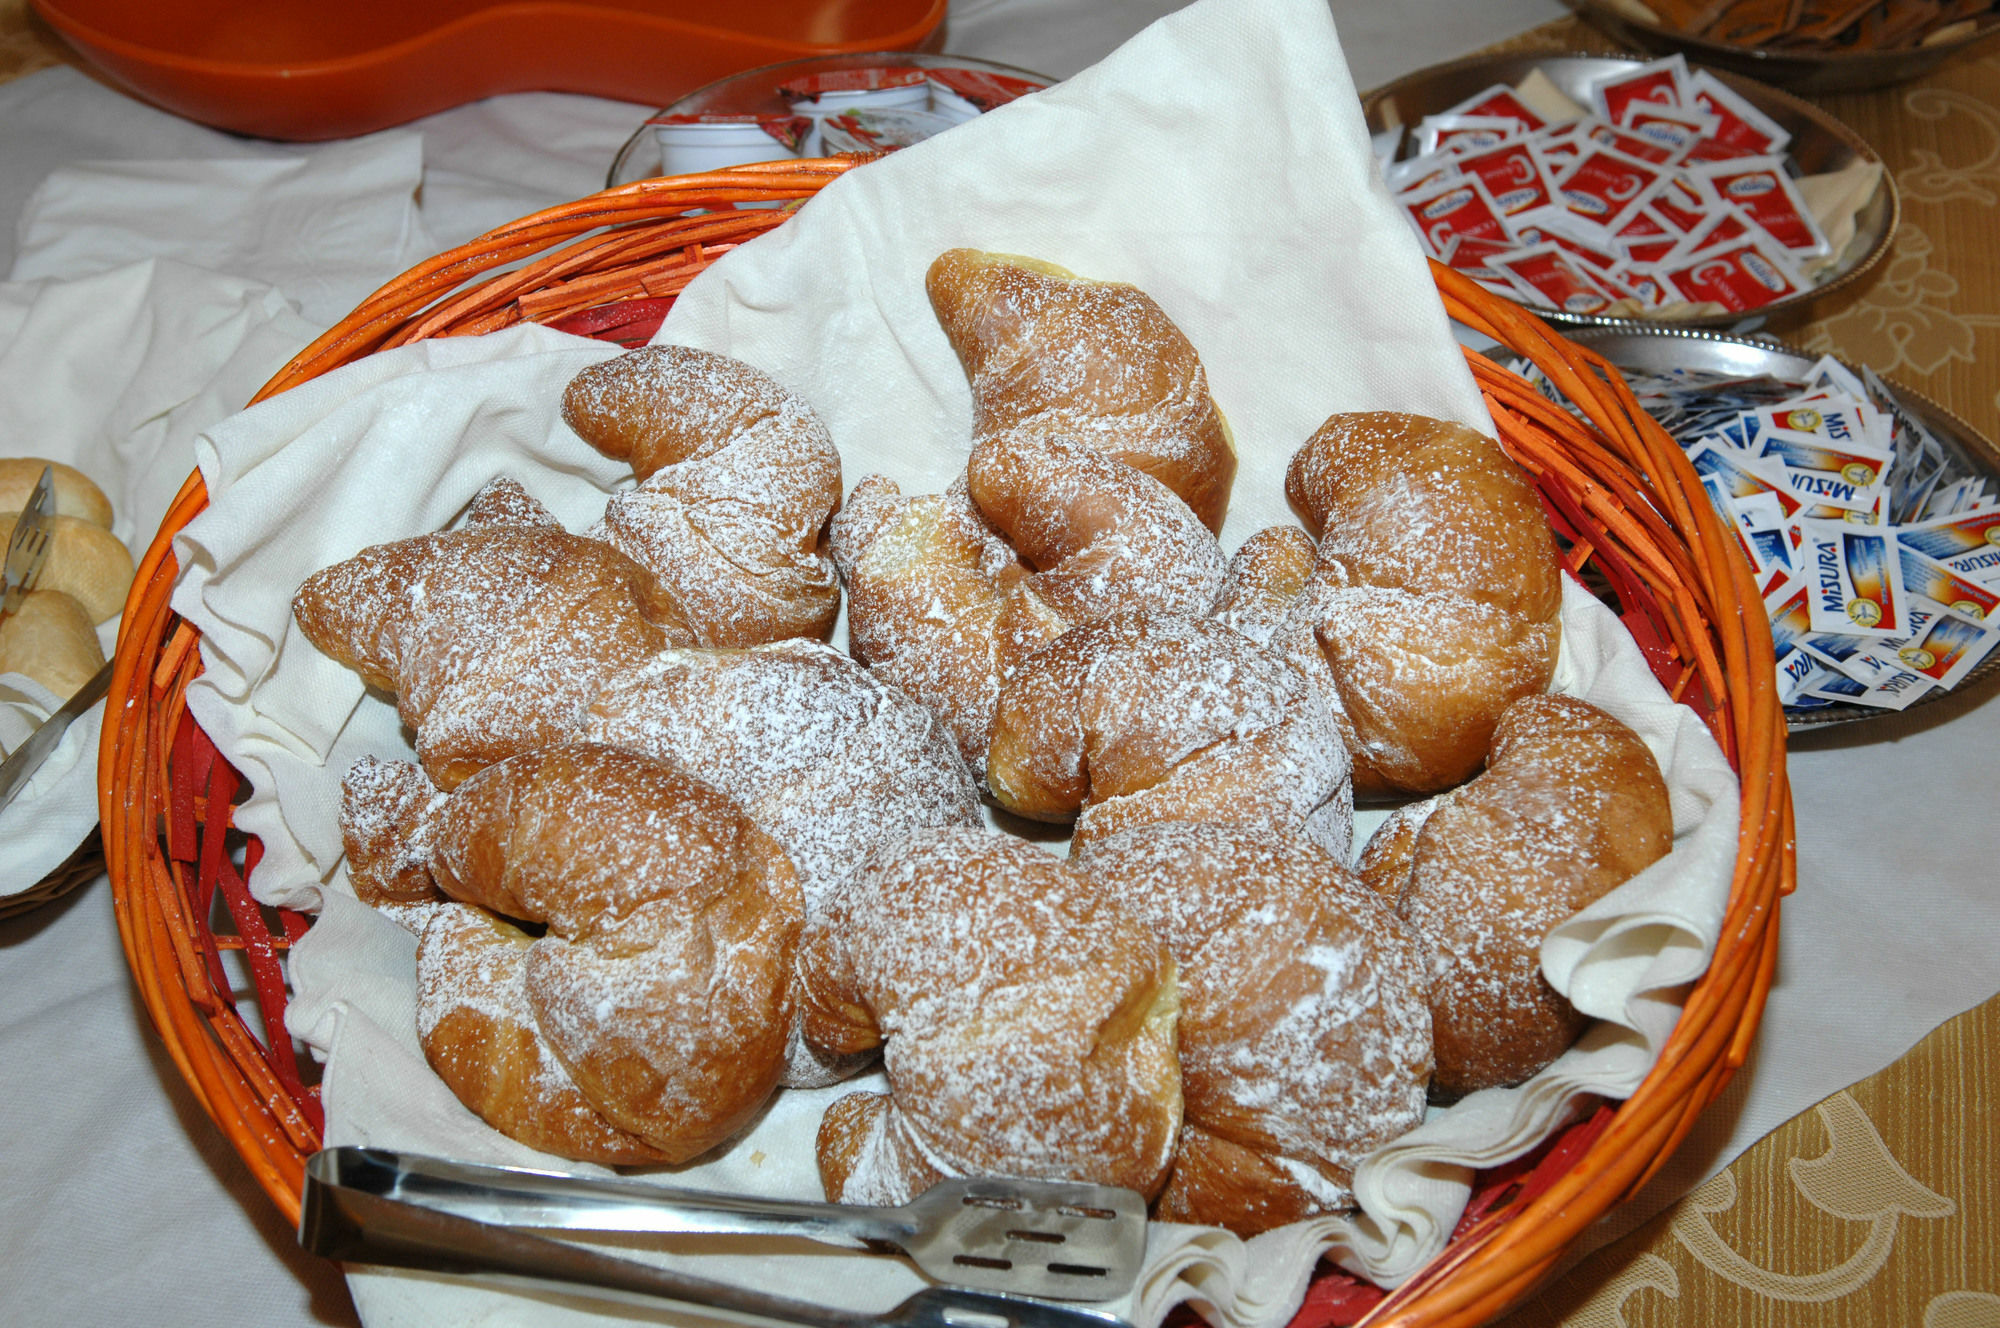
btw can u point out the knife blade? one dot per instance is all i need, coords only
(28, 546)
(27, 759)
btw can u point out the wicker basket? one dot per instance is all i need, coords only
(1628, 507)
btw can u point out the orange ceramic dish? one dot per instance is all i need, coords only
(292, 69)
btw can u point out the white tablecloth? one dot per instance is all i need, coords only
(119, 1201)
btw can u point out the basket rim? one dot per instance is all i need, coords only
(157, 654)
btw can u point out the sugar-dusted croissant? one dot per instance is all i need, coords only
(1305, 1036)
(1026, 1022)
(1571, 805)
(479, 1032)
(827, 758)
(1099, 470)
(820, 754)
(493, 636)
(1434, 602)
(662, 980)
(1094, 362)
(1147, 717)
(736, 479)
(1264, 578)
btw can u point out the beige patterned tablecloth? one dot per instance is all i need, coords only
(1880, 1206)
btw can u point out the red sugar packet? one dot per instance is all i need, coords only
(1663, 81)
(1608, 187)
(1514, 174)
(1762, 189)
(1546, 276)
(1743, 274)
(1442, 213)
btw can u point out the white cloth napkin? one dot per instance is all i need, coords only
(1305, 295)
(113, 373)
(325, 228)
(150, 299)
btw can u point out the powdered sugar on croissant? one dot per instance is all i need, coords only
(1027, 1024)
(1076, 498)
(1571, 805)
(1305, 1029)
(827, 758)
(663, 981)
(736, 479)
(1146, 717)
(1093, 362)
(1434, 600)
(493, 636)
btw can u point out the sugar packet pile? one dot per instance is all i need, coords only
(1669, 196)
(1876, 550)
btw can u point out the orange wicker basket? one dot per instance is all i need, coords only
(1630, 511)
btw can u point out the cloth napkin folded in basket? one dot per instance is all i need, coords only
(1219, 162)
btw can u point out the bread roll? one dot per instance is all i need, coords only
(1435, 599)
(1304, 1030)
(736, 479)
(492, 637)
(1146, 717)
(1026, 1023)
(76, 493)
(662, 982)
(1571, 805)
(50, 639)
(85, 561)
(1093, 362)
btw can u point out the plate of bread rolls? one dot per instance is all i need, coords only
(50, 648)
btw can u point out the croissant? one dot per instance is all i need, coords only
(492, 637)
(1262, 580)
(1026, 1023)
(1304, 1025)
(736, 479)
(826, 758)
(1570, 806)
(1434, 600)
(387, 812)
(1147, 717)
(662, 980)
(1099, 471)
(1094, 362)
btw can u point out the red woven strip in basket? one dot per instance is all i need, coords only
(608, 266)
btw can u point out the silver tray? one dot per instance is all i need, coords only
(1794, 71)
(1819, 144)
(1659, 350)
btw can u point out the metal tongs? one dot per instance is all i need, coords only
(998, 1240)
